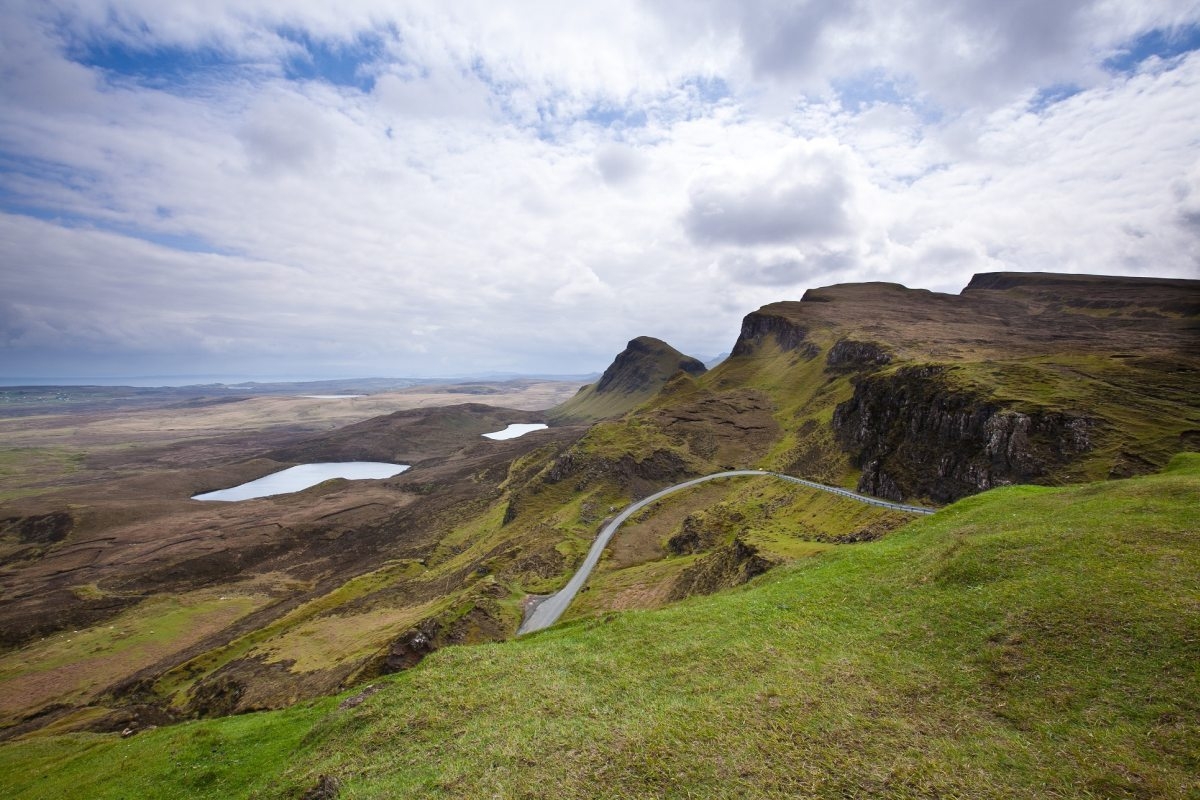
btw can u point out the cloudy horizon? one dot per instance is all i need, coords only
(270, 187)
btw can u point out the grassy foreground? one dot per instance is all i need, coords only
(1028, 642)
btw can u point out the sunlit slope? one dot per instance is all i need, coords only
(1024, 642)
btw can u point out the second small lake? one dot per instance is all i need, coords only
(294, 479)
(516, 429)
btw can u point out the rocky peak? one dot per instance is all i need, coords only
(645, 363)
(638, 373)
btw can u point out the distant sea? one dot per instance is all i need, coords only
(147, 381)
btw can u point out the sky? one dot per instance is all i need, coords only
(257, 188)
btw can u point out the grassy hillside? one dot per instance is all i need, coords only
(1028, 641)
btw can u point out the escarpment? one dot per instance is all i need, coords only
(1022, 377)
(914, 435)
(762, 326)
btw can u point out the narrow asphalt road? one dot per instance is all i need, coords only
(546, 612)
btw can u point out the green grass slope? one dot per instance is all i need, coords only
(1025, 642)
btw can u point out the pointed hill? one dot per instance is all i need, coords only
(637, 374)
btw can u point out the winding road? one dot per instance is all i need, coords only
(546, 612)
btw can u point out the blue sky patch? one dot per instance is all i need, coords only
(868, 88)
(1161, 42)
(339, 63)
(859, 92)
(1050, 95)
(613, 116)
(708, 89)
(39, 170)
(171, 67)
(19, 203)
(167, 67)
(187, 242)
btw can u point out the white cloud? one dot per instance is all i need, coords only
(529, 191)
(806, 197)
(619, 163)
(287, 133)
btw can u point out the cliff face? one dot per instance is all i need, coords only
(914, 436)
(1022, 377)
(762, 326)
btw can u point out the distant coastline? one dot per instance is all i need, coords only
(154, 381)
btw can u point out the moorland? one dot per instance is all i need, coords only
(747, 637)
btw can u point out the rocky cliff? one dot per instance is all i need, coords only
(914, 435)
(763, 326)
(1022, 377)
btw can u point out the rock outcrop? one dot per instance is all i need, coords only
(847, 355)
(913, 435)
(726, 567)
(762, 326)
(696, 535)
(477, 618)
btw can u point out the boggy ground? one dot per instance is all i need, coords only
(110, 576)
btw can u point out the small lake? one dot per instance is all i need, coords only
(294, 479)
(516, 429)
(331, 396)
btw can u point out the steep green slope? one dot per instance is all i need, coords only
(1024, 642)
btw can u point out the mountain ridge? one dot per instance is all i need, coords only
(902, 393)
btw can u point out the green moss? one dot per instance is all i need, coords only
(28, 471)
(1183, 464)
(232, 757)
(74, 665)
